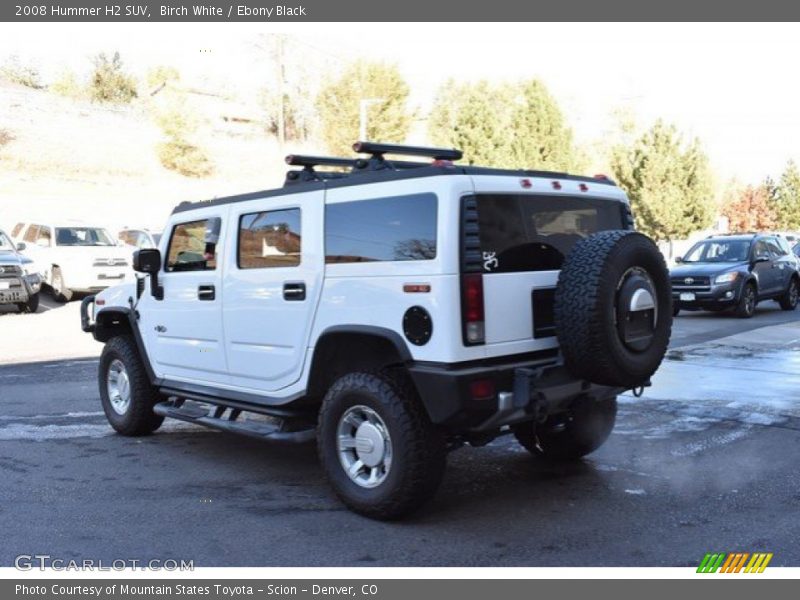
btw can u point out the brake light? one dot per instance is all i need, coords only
(472, 313)
(583, 187)
(482, 389)
(556, 185)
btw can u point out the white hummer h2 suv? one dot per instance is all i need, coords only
(391, 310)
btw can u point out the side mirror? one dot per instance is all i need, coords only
(678, 259)
(147, 260)
(21, 246)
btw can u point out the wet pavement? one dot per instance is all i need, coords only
(704, 461)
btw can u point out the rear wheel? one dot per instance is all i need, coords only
(789, 299)
(571, 435)
(746, 307)
(125, 390)
(377, 446)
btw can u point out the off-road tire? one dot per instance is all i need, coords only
(746, 307)
(139, 419)
(585, 308)
(31, 306)
(572, 435)
(788, 300)
(418, 448)
(60, 293)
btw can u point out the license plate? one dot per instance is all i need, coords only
(4, 285)
(687, 296)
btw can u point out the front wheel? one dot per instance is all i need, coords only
(125, 391)
(31, 306)
(789, 299)
(571, 435)
(377, 446)
(60, 291)
(747, 303)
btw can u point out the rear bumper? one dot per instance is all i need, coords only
(523, 391)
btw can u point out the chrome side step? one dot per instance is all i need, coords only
(225, 418)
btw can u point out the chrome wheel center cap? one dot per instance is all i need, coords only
(369, 444)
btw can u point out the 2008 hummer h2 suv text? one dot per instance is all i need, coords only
(391, 310)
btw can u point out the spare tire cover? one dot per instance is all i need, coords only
(613, 309)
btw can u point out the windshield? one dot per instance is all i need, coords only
(5, 242)
(82, 236)
(719, 251)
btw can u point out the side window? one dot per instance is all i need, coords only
(398, 228)
(760, 249)
(127, 237)
(32, 234)
(270, 239)
(17, 228)
(188, 250)
(775, 246)
(45, 237)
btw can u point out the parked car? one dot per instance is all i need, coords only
(736, 272)
(139, 238)
(19, 285)
(391, 313)
(74, 257)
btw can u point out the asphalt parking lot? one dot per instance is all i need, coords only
(705, 461)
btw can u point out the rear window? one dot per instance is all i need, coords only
(397, 228)
(535, 233)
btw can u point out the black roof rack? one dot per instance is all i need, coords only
(376, 169)
(377, 150)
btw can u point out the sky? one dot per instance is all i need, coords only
(732, 85)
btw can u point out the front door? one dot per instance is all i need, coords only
(183, 331)
(273, 280)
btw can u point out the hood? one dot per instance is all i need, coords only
(708, 269)
(125, 252)
(9, 257)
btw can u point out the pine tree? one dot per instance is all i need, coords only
(389, 119)
(669, 184)
(787, 198)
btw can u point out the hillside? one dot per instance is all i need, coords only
(75, 159)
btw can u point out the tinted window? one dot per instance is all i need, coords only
(188, 250)
(270, 239)
(535, 233)
(386, 229)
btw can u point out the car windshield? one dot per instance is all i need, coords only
(5, 242)
(82, 236)
(718, 251)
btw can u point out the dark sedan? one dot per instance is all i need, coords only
(737, 272)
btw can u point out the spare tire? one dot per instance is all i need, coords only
(613, 309)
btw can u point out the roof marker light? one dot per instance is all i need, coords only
(526, 183)
(556, 185)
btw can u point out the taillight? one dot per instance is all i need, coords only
(472, 314)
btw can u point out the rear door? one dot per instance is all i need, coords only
(527, 227)
(784, 261)
(272, 285)
(184, 330)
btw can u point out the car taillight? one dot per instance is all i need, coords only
(472, 314)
